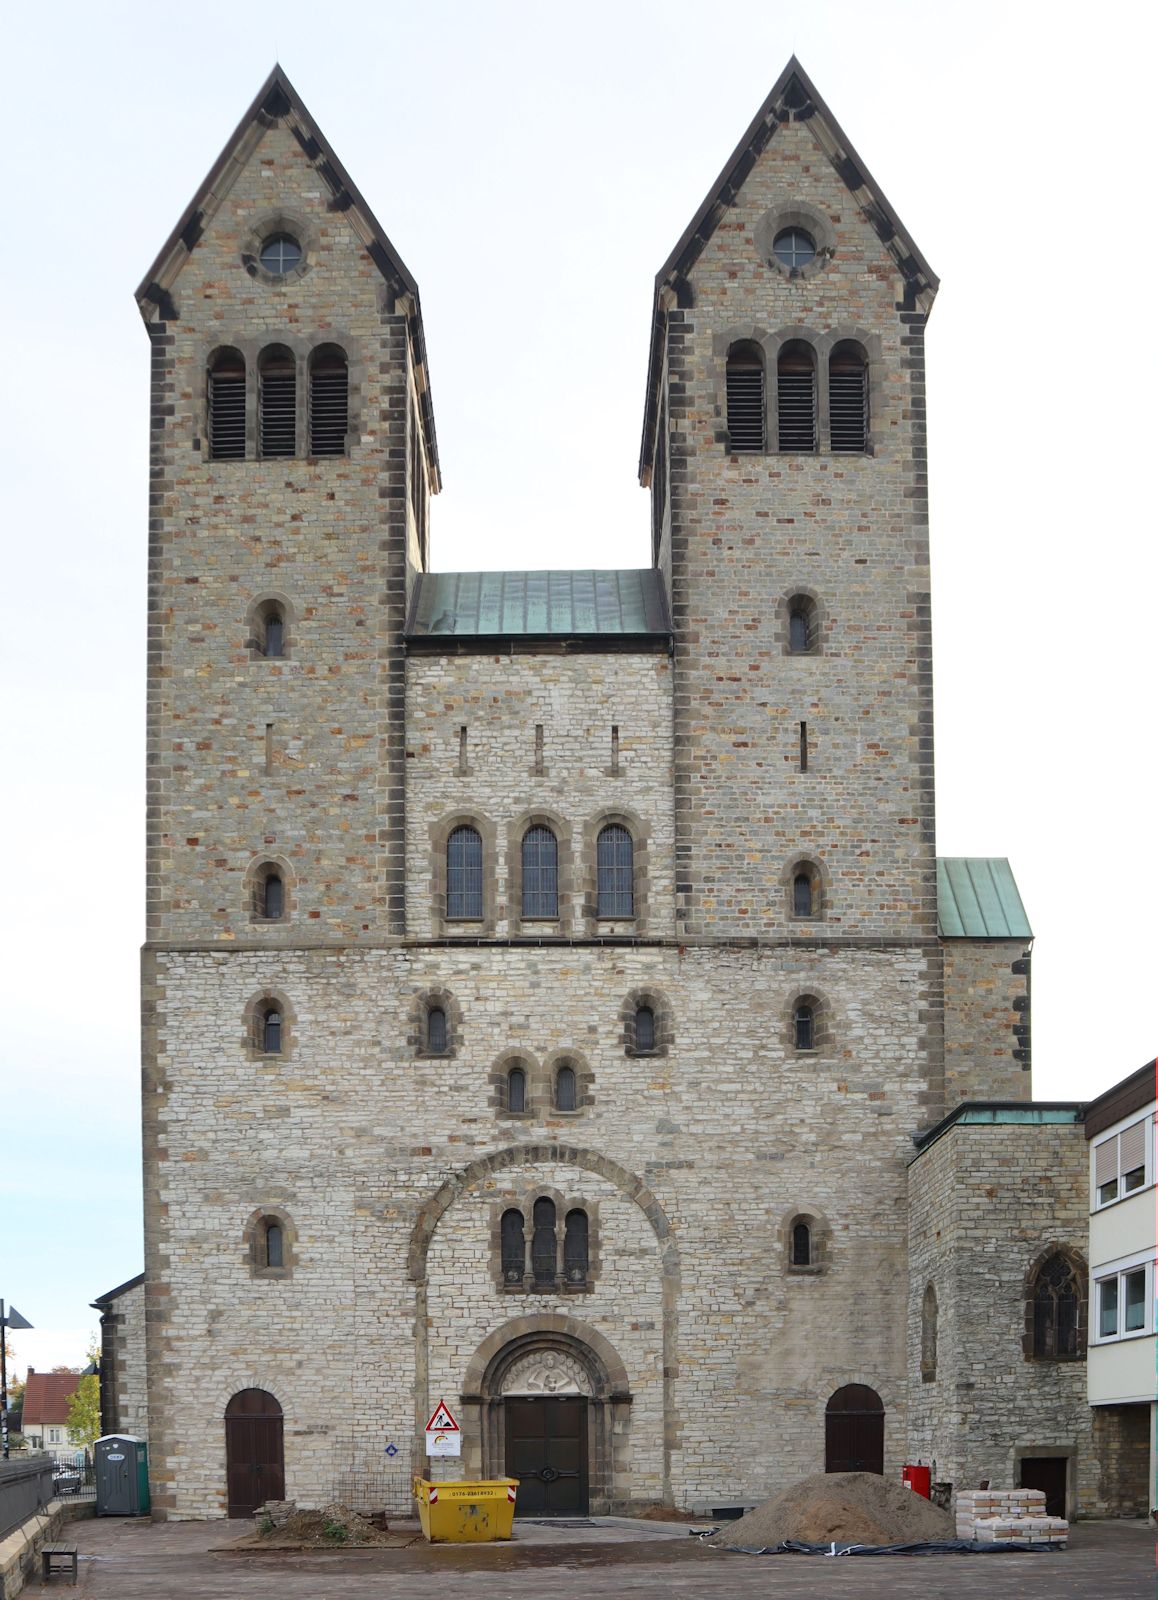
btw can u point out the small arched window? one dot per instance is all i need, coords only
(540, 874)
(464, 880)
(272, 891)
(277, 397)
(269, 1030)
(644, 1028)
(575, 1248)
(543, 1247)
(1058, 1296)
(929, 1334)
(273, 1250)
(802, 628)
(566, 1089)
(804, 1026)
(615, 872)
(270, 638)
(796, 398)
(848, 399)
(436, 1032)
(227, 406)
(512, 1246)
(801, 1245)
(517, 1090)
(803, 893)
(745, 386)
(329, 401)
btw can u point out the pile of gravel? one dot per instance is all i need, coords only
(850, 1507)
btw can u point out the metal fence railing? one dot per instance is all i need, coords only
(25, 1488)
(71, 1482)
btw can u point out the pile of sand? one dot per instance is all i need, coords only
(850, 1507)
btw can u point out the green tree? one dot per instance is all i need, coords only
(84, 1410)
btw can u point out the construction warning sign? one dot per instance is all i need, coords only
(442, 1421)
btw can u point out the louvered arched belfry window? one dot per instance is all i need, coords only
(227, 406)
(745, 385)
(796, 398)
(329, 401)
(277, 401)
(848, 418)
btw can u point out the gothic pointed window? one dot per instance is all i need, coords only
(543, 1249)
(615, 873)
(745, 388)
(796, 398)
(329, 401)
(464, 880)
(575, 1248)
(848, 399)
(566, 1089)
(513, 1247)
(227, 406)
(540, 874)
(277, 402)
(1057, 1298)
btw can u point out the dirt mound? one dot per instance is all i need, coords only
(281, 1525)
(850, 1507)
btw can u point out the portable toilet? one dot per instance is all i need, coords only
(122, 1476)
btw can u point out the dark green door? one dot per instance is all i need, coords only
(547, 1452)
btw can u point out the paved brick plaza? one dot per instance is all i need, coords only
(184, 1561)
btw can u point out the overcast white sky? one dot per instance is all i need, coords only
(534, 165)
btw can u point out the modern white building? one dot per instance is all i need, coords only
(1122, 1364)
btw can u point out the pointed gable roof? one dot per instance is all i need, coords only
(793, 98)
(278, 102)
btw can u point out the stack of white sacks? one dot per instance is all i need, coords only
(1000, 1516)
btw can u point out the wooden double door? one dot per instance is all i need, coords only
(254, 1461)
(547, 1452)
(854, 1431)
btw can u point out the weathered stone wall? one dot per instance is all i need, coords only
(985, 1001)
(1122, 1444)
(984, 1203)
(124, 1390)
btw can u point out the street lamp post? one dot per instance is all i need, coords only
(12, 1319)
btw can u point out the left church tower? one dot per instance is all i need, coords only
(292, 461)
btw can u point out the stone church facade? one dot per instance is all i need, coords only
(544, 980)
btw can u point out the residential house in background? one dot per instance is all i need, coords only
(45, 1418)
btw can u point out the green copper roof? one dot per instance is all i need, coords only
(539, 604)
(978, 899)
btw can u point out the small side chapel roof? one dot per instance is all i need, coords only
(794, 97)
(977, 898)
(278, 100)
(543, 605)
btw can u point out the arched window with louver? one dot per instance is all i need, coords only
(745, 386)
(848, 399)
(329, 401)
(227, 406)
(615, 872)
(277, 402)
(464, 880)
(540, 874)
(796, 398)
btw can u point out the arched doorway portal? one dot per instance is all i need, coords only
(545, 1394)
(854, 1430)
(254, 1460)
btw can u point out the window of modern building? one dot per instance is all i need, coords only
(227, 406)
(1122, 1303)
(436, 1030)
(329, 401)
(744, 380)
(615, 872)
(566, 1089)
(540, 874)
(796, 398)
(575, 1248)
(848, 418)
(1057, 1295)
(1120, 1163)
(464, 879)
(803, 1026)
(277, 402)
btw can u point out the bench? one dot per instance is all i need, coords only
(58, 1558)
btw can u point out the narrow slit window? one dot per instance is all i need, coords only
(615, 871)
(645, 1028)
(278, 402)
(543, 1245)
(575, 1233)
(796, 399)
(274, 1254)
(227, 407)
(273, 634)
(801, 1245)
(745, 387)
(329, 402)
(566, 1089)
(464, 881)
(804, 1026)
(270, 1031)
(513, 1246)
(803, 899)
(848, 400)
(540, 874)
(436, 1030)
(802, 633)
(804, 747)
(273, 897)
(517, 1090)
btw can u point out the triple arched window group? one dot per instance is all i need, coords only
(545, 1247)
(280, 427)
(796, 423)
(614, 874)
